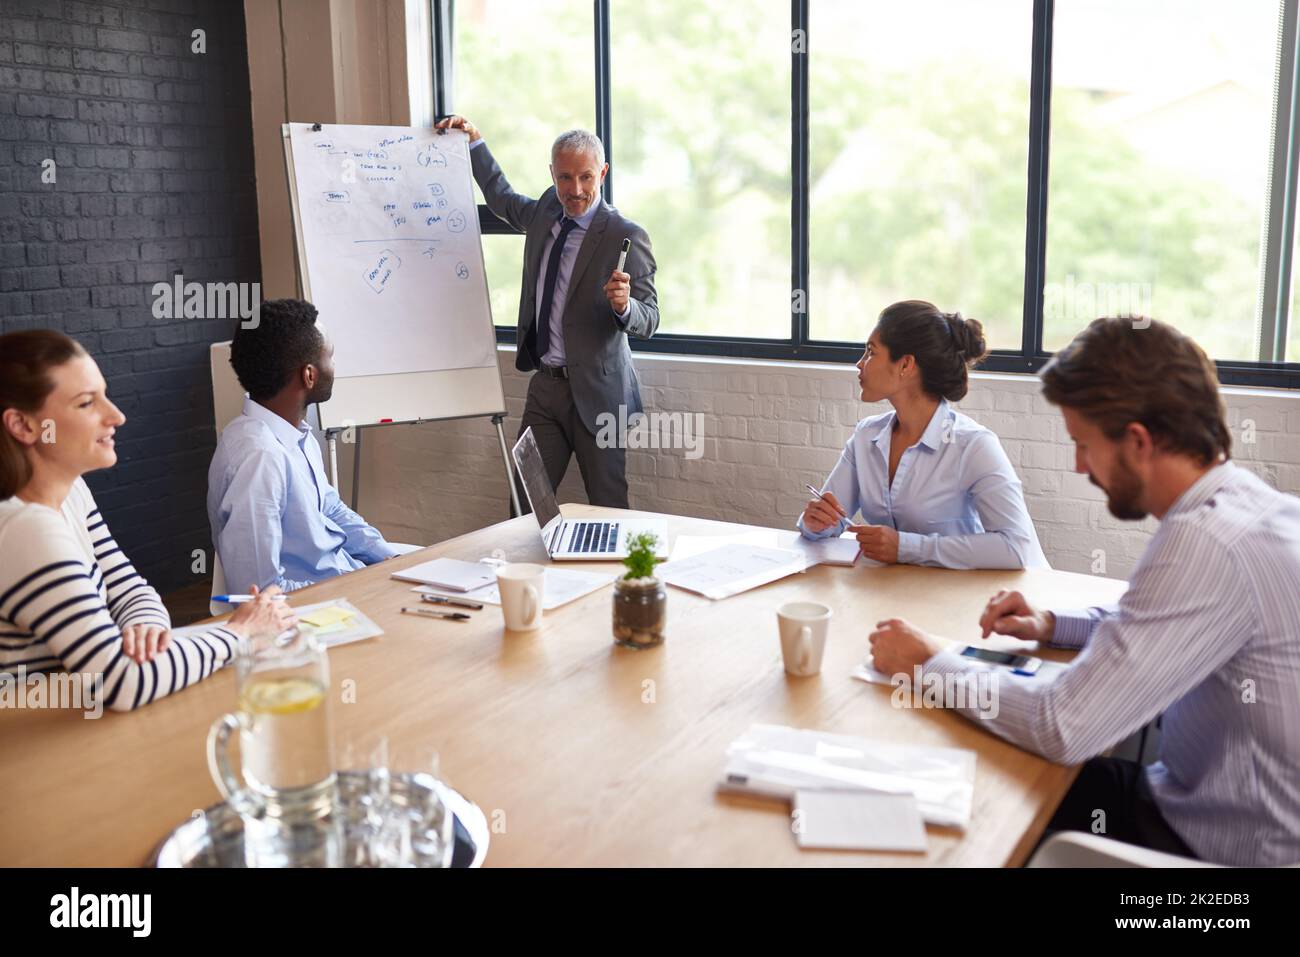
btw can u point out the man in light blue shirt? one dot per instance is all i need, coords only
(1208, 633)
(276, 519)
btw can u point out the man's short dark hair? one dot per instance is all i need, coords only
(268, 355)
(1122, 370)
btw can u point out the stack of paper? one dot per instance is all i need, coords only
(688, 546)
(779, 762)
(732, 569)
(827, 551)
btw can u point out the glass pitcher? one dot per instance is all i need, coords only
(287, 794)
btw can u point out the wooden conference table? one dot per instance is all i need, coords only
(555, 734)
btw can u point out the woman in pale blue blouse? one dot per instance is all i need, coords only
(933, 486)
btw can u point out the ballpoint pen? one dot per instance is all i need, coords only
(458, 602)
(824, 499)
(430, 613)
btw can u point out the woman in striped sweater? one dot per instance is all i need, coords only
(68, 596)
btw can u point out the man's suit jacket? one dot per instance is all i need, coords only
(596, 352)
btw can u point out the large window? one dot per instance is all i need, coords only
(523, 75)
(1031, 163)
(919, 139)
(1161, 121)
(704, 159)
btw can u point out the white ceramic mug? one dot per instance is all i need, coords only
(521, 586)
(804, 626)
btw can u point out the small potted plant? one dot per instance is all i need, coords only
(640, 599)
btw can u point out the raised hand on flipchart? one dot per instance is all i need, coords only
(459, 123)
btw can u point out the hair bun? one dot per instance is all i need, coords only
(968, 334)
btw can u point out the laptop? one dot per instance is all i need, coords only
(592, 540)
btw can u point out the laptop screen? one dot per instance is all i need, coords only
(528, 459)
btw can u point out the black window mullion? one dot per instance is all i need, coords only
(799, 176)
(1280, 207)
(441, 17)
(1040, 110)
(604, 93)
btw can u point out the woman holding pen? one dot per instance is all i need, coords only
(932, 486)
(68, 596)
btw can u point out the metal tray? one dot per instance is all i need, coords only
(215, 838)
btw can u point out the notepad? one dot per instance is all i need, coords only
(843, 550)
(326, 616)
(449, 573)
(857, 821)
(337, 622)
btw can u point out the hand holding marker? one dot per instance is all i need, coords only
(619, 289)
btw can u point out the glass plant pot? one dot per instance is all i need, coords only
(640, 612)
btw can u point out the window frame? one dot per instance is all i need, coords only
(1030, 357)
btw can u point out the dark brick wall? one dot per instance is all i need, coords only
(153, 146)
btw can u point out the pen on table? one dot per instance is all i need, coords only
(430, 613)
(824, 499)
(241, 599)
(622, 256)
(458, 602)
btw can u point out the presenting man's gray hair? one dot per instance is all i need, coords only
(579, 141)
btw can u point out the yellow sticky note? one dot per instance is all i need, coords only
(323, 617)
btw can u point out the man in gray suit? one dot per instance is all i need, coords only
(576, 308)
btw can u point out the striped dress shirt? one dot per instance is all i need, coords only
(1208, 634)
(67, 591)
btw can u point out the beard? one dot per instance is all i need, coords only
(1124, 492)
(324, 389)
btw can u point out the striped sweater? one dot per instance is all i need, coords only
(66, 591)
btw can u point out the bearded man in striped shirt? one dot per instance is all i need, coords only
(1207, 635)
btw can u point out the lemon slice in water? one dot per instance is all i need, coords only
(281, 695)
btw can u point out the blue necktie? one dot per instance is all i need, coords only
(548, 287)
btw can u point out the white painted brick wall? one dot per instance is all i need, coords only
(769, 428)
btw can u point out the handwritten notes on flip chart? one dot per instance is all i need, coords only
(390, 236)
